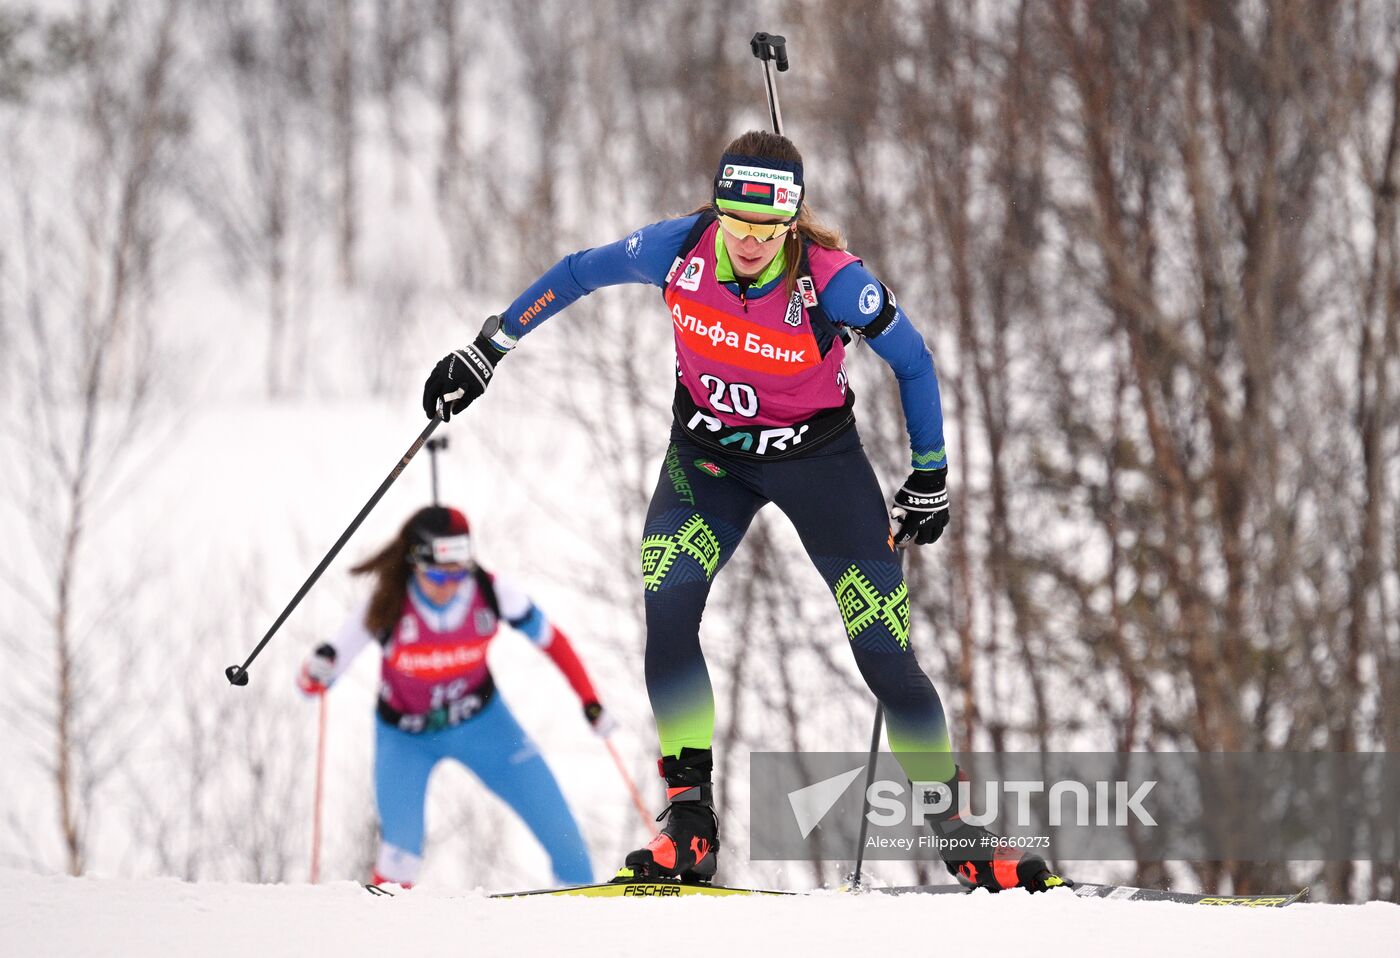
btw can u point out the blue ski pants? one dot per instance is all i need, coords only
(496, 749)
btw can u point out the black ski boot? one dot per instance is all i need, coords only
(979, 858)
(689, 841)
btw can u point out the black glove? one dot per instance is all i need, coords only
(920, 511)
(460, 377)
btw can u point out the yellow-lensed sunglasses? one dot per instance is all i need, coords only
(763, 232)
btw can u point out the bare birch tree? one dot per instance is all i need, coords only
(86, 371)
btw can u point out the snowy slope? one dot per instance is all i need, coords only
(89, 916)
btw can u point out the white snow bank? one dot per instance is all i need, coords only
(41, 915)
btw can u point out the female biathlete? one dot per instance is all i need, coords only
(761, 298)
(434, 612)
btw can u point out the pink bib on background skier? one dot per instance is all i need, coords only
(435, 662)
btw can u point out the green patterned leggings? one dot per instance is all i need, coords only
(703, 504)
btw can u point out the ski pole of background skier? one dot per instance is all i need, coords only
(320, 790)
(648, 822)
(238, 674)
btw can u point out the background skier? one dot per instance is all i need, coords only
(434, 612)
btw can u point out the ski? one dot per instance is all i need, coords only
(1126, 893)
(643, 889)
(632, 889)
(672, 889)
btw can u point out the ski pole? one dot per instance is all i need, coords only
(647, 822)
(238, 674)
(865, 795)
(316, 801)
(433, 446)
(771, 49)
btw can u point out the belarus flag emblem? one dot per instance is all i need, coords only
(764, 190)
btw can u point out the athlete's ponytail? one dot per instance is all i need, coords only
(390, 568)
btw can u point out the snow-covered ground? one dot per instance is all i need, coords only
(92, 916)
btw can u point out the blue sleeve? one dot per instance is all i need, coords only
(855, 297)
(645, 256)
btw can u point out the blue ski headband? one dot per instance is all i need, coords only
(758, 184)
